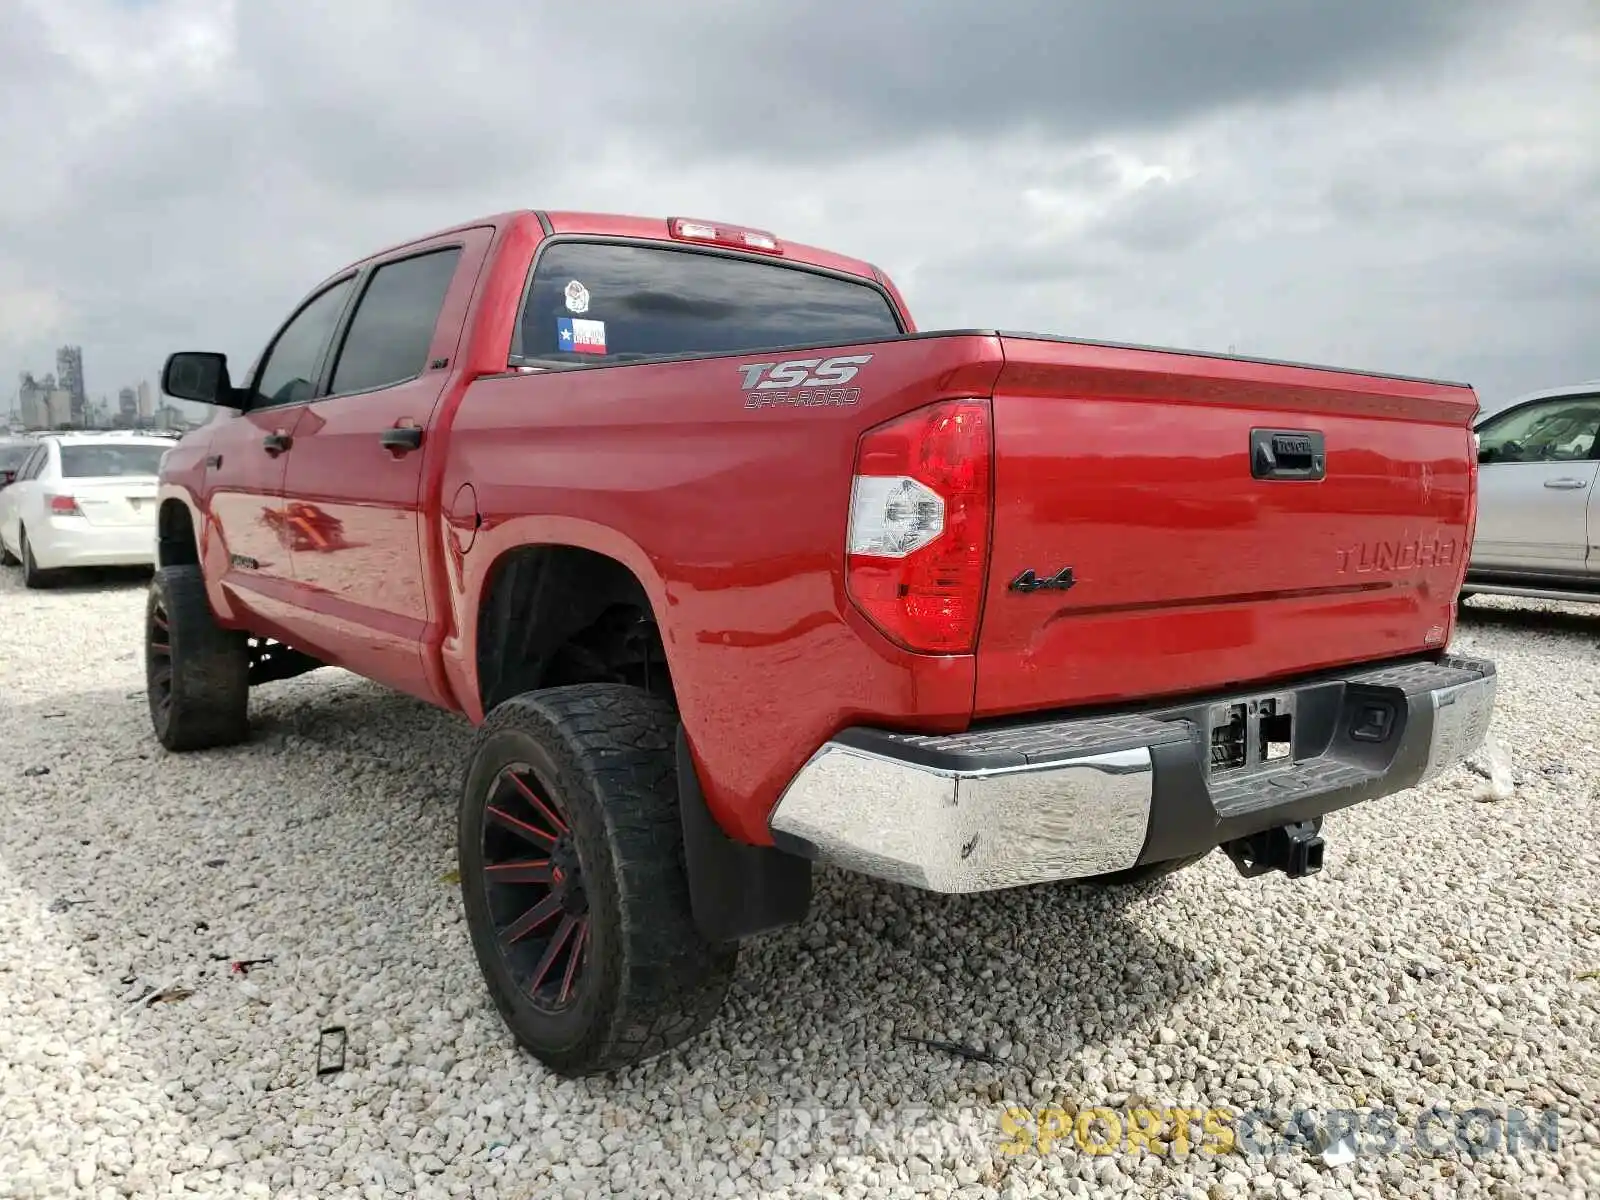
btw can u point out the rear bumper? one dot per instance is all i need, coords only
(1064, 799)
(73, 542)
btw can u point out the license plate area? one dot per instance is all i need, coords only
(1251, 735)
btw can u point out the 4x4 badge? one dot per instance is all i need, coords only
(1029, 582)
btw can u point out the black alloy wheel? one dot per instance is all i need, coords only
(158, 660)
(573, 880)
(533, 879)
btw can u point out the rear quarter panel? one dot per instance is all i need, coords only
(734, 519)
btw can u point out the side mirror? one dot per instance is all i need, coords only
(200, 376)
(7, 478)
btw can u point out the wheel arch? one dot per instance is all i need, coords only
(737, 889)
(177, 538)
(534, 622)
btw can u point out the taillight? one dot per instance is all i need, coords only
(918, 542)
(64, 506)
(735, 236)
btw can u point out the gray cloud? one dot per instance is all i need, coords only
(821, 78)
(1400, 186)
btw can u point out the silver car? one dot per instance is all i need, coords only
(1538, 522)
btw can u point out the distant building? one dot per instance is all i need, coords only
(128, 405)
(33, 400)
(59, 406)
(146, 401)
(69, 371)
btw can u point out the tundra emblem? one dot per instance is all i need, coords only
(1406, 553)
(804, 372)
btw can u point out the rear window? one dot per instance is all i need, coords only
(595, 302)
(107, 458)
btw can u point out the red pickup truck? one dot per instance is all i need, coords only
(736, 572)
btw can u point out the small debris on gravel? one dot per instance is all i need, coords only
(1444, 959)
(958, 1049)
(34, 772)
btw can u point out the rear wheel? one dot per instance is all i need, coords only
(197, 674)
(32, 575)
(573, 879)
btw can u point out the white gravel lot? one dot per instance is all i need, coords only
(1447, 955)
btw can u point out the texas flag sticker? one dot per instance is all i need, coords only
(580, 336)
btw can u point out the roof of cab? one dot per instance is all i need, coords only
(621, 225)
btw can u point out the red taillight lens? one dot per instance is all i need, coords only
(64, 506)
(918, 543)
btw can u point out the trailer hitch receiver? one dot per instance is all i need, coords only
(1295, 849)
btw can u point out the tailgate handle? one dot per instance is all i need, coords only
(1287, 454)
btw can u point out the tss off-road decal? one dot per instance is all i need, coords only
(803, 382)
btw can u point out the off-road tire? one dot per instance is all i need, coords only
(1144, 872)
(199, 688)
(32, 575)
(606, 755)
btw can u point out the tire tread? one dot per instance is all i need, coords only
(621, 742)
(210, 667)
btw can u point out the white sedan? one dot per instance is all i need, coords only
(82, 500)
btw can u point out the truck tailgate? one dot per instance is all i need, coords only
(1224, 521)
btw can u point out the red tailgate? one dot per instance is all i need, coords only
(1182, 492)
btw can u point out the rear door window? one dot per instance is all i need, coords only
(591, 301)
(393, 326)
(103, 459)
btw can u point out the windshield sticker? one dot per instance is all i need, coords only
(577, 297)
(581, 337)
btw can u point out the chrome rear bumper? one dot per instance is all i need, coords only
(1016, 804)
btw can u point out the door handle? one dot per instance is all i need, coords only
(1565, 485)
(213, 460)
(276, 443)
(403, 439)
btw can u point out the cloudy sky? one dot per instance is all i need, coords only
(1407, 185)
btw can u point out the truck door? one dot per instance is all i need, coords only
(247, 457)
(353, 494)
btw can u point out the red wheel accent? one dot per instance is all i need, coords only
(537, 900)
(159, 639)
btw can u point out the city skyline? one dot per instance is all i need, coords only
(61, 398)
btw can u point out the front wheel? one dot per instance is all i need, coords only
(197, 674)
(573, 879)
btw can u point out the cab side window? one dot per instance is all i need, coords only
(393, 326)
(1553, 431)
(290, 373)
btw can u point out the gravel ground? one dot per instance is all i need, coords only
(1447, 955)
